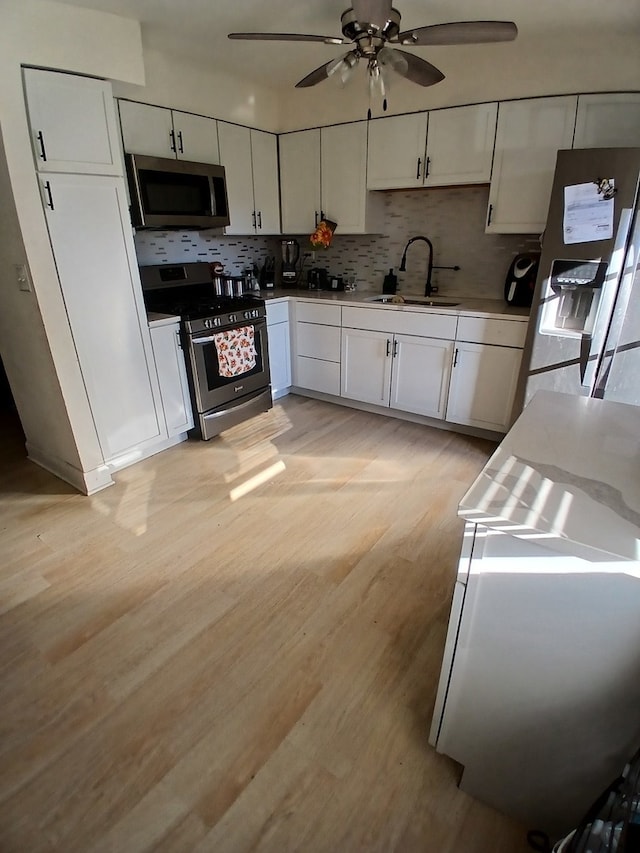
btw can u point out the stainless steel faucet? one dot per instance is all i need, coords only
(428, 288)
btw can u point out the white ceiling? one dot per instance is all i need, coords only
(196, 30)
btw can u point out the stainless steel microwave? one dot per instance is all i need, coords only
(176, 193)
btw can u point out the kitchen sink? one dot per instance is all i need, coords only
(425, 302)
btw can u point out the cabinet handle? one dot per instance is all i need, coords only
(455, 357)
(426, 167)
(40, 139)
(259, 219)
(47, 187)
(418, 169)
(490, 214)
(253, 218)
(388, 347)
(316, 215)
(321, 213)
(172, 141)
(179, 339)
(180, 142)
(395, 348)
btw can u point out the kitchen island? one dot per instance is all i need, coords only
(540, 684)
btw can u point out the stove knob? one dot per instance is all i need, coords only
(207, 324)
(232, 318)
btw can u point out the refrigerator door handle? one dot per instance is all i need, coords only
(585, 352)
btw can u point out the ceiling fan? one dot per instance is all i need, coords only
(372, 27)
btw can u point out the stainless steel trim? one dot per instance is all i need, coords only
(206, 340)
(214, 422)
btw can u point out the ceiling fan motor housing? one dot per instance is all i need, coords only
(360, 30)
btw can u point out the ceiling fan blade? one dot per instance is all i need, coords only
(418, 70)
(461, 32)
(374, 12)
(286, 37)
(316, 76)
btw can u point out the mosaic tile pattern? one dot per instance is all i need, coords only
(452, 218)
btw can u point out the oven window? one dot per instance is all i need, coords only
(211, 364)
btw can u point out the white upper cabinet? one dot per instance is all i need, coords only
(250, 158)
(300, 181)
(608, 121)
(160, 132)
(460, 145)
(439, 148)
(396, 153)
(73, 126)
(528, 137)
(343, 178)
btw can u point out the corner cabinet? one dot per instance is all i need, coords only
(608, 121)
(250, 158)
(161, 132)
(324, 173)
(72, 122)
(528, 138)
(485, 370)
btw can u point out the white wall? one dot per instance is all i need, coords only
(538, 64)
(59, 37)
(179, 83)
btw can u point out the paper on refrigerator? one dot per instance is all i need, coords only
(588, 214)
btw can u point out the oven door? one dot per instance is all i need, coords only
(211, 387)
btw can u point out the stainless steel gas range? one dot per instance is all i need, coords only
(224, 339)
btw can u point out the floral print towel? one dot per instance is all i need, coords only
(236, 351)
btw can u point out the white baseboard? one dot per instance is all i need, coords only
(86, 482)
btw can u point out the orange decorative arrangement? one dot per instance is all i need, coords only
(323, 235)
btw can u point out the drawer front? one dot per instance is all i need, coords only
(318, 341)
(424, 324)
(277, 312)
(481, 330)
(318, 375)
(317, 312)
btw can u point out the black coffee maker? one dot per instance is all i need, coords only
(290, 255)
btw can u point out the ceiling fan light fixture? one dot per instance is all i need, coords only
(341, 70)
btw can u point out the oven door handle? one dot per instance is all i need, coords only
(207, 340)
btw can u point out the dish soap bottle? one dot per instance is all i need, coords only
(390, 283)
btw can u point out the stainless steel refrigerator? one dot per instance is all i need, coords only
(584, 333)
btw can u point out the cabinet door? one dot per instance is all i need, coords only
(235, 156)
(366, 366)
(146, 129)
(73, 123)
(264, 159)
(395, 157)
(460, 145)
(343, 158)
(483, 383)
(172, 376)
(607, 121)
(300, 181)
(93, 249)
(279, 359)
(528, 138)
(421, 369)
(196, 138)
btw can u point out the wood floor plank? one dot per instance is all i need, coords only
(237, 646)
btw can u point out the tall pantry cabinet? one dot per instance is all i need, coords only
(80, 172)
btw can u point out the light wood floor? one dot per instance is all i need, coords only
(237, 646)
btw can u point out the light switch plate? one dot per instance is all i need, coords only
(22, 277)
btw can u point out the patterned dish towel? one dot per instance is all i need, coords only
(236, 351)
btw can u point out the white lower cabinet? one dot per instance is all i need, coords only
(172, 376)
(279, 348)
(483, 385)
(317, 347)
(403, 372)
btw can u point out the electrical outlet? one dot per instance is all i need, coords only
(22, 277)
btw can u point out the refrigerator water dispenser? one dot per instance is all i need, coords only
(572, 294)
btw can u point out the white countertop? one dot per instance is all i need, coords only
(568, 471)
(154, 319)
(479, 307)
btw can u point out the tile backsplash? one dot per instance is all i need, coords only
(452, 218)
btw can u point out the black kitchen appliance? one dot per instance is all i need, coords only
(290, 257)
(317, 278)
(521, 279)
(209, 325)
